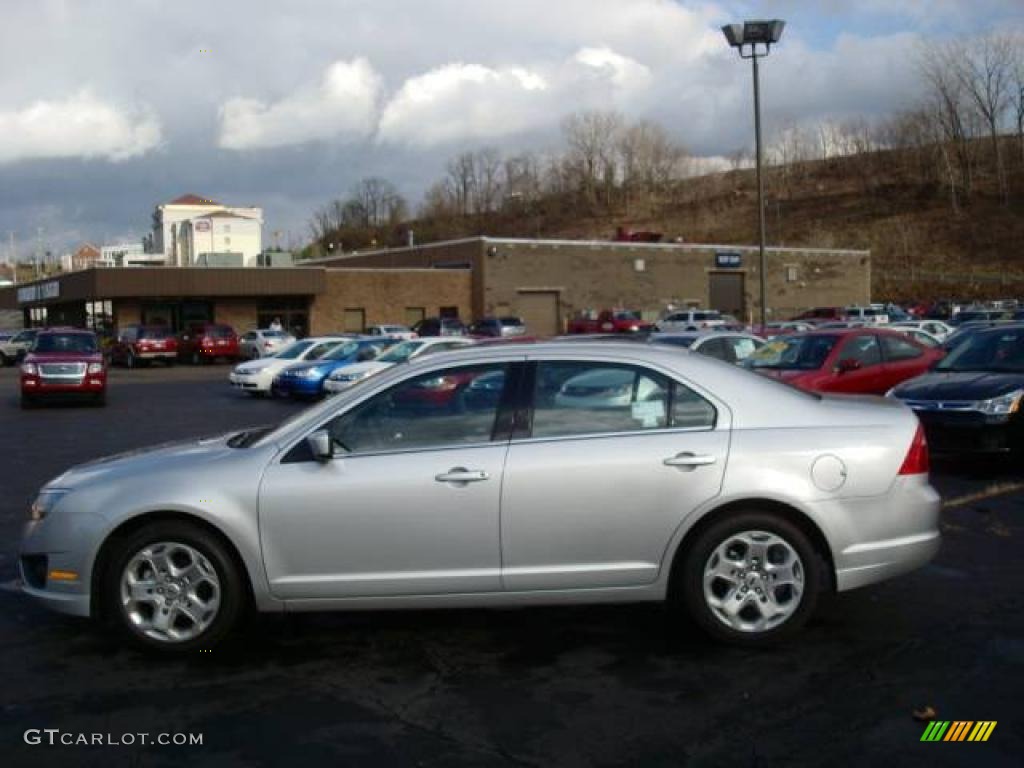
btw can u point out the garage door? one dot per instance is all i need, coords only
(539, 309)
(726, 292)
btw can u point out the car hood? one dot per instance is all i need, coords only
(63, 357)
(255, 366)
(322, 364)
(145, 461)
(965, 385)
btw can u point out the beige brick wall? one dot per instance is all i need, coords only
(384, 295)
(239, 314)
(598, 276)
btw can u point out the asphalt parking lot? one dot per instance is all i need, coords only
(568, 687)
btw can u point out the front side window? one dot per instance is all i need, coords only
(441, 409)
(576, 398)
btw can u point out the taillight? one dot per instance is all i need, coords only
(916, 461)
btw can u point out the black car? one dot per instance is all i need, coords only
(971, 400)
(439, 326)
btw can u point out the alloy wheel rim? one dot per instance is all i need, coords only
(170, 592)
(753, 581)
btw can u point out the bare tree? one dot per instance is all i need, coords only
(984, 67)
(590, 158)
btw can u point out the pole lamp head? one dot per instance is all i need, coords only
(754, 33)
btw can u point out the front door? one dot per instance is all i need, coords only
(409, 505)
(617, 457)
(869, 377)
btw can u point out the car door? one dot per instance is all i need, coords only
(869, 375)
(609, 461)
(904, 359)
(408, 506)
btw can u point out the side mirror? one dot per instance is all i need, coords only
(847, 365)
(320, 444)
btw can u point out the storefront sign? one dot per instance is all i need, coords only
(39, 292)
(728, 260)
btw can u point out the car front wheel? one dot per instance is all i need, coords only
(173, 587)
(751, 579)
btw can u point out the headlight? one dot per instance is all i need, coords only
(95, 368)
(1002, 406)
(44, 503)
(309, 373)
(29, 368)
(349, 377)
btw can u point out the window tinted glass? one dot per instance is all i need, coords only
(440, 409)
(155, 333)
(293, 351)
(987, 351)
(805, 353)
(897, 349)
(718, 349)
(863, 349)
(676, 341)
(219, 332)
(401, 352)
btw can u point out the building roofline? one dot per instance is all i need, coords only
(484, 239)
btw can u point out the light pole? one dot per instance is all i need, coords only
(746, 38)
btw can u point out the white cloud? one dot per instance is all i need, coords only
(460, 101)
(80, 126)
(342, 105)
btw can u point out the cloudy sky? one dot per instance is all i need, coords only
(108, 107)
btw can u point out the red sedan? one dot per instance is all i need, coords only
(854, 360)
(63, 362)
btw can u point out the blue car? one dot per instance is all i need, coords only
(306, 379)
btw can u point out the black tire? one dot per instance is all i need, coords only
(234, 594)
(4, 361)
(129, 360)
(688, 578)
(100, 400)
(27, 402)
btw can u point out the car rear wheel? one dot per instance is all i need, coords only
(129, 360)
(173, 587)
(750, 579)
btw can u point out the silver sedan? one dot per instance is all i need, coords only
(736, 498)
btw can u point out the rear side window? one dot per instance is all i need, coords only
(155, 333)
(577, 398)
(897, 349)
(863, 349)
(220, 332)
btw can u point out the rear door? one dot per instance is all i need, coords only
(903, 359)
(602, 470)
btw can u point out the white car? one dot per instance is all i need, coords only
(936, 328)
(256, 376)
(343, 378)
(263, 342)
(394, 331)
(867, 315)
(691, 320)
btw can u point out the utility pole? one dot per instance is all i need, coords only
(14, 258)
(39, 249)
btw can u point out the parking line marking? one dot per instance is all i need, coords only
(999, 489)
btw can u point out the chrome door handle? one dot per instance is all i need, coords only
(462, 475)
(689, 460)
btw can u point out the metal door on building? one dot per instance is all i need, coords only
(726, 292)
(540, 311)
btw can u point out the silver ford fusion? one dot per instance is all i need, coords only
(551, 474)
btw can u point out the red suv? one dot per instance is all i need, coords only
(63, 362)
(139, 344)
(609, 321)
(206, 343)
(856, 360)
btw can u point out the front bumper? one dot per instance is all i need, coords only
(253, 382)
(968, 433)
(39, 387)
(298, 387)
(65, 545)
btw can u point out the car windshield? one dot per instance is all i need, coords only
(83, 343)
(155, 333)
(342, 351)
(987, 351)
(274, 335)
(294, 351)
(707, 316)
(219, 332)
(510, 321)
(401, 353)
(627, 314)
(802, 353)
